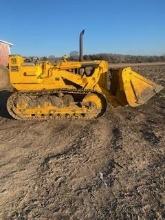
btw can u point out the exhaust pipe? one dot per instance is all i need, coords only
(81, 46)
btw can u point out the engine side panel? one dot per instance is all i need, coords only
(64, 75)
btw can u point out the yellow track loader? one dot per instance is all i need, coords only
(71, 89)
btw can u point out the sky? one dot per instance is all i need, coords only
(51, 27)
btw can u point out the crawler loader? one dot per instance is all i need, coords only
(71, 89)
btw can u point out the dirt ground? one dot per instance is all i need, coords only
(109, 168)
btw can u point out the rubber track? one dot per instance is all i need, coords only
(62, 117)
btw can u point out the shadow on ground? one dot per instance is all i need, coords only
(4, 95)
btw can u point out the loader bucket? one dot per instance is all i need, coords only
(131, 88)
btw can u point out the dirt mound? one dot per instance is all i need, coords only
(110, 168)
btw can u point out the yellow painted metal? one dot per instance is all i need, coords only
(47, 108)
(92, 101)
(127, 86)
(134, 89)
(45, 76)
(91, 107)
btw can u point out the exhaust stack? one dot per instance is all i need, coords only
(81, 45)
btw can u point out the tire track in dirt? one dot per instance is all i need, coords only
(70, 163)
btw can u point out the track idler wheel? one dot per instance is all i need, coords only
(94, 103)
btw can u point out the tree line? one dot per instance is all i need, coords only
(112, 58)
(118, 58)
